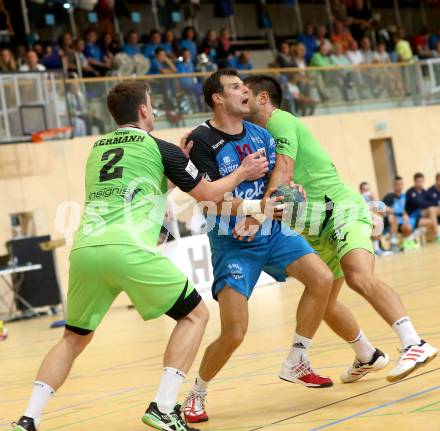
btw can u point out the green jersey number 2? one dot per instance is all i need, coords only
(107, 172)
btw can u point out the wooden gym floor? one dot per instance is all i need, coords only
(112, 381)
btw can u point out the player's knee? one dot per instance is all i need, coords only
(199, 316)
(360, 282)
(322, 281)
(77, 339)
(233, 336)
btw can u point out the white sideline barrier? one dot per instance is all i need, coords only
(192, 255)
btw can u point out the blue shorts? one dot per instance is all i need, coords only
(238, 264)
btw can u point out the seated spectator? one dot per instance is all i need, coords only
(299, 55)
(339, 13)
(93, 52)
(403, 48)
(304, 104)
(321, 39)
(32, 64)
(344, 76)
(397, 219)
(190, 85)
(434, 191)
(434, 39)
(188, 41)
(341, 36)
(366, 51)
(110, 47)
(209, 45)
(154, 43)
(20, 55)
(225, 50)
(381, 56)
(421, 44)
(38, 47)
(360, 19)
(52, 58)
(132, 47)
(6, 28)
(242, 62)
(161, 64)
(308, 39)
(75, 58)
(420, 207)
(338, 57)
(284, 57)
(169, 44)
(7, 61)
(388, 78)
(321, 58)
(77, 103)
(354, 55)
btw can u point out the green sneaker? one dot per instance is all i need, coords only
(154, 418)
(410, 244)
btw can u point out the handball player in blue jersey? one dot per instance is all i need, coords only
(219, 146)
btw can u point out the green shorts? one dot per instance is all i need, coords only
(333, 244)
(99, 274)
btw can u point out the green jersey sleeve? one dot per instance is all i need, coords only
(286, 136)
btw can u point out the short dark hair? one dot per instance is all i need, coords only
(213, 84)
(259, 83)
(438, 174)
(362, 184)
(398, 178)
(124, 100)
(418, 175)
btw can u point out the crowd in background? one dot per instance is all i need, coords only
(406, 217)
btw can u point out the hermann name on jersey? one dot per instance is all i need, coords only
(120, 140)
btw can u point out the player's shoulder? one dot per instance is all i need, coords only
(255, 129)
(202, 132)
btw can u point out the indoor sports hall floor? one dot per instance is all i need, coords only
(113, 380)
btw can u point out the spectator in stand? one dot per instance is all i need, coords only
(321, 58)
(154, 43)
(77, 57)
(434, 39)
(381, 56)
(420, 207)
(188, 41)
(434, 191)
(284, 57)
(366, 51)
(308, 39)
(403, 48)
(339, 13)
(421, 45)
(67, 51)
(304, 104)
(93, 52)
(7, 61)
(436, 52)
(52, 58)
(241, 62)
(321, 39)
(110, 47)
(354, 55)
(344, 76)
(341, 36)
(360, 19)
(388, 77)
(32, 64)
(338, 57)
(188, 84)
(20, 56)
(388, 35)
(397, 219)
(77, 103)
(209, 45)
(161, 64)
(38, 47)
(169, 44)
(132, 46)
(299, 55)
(355, 58)
(6, 28)
(225, 50)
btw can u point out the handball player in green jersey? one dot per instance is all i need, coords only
(115, 250)
(337, 223)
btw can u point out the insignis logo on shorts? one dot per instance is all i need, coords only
(236, 271)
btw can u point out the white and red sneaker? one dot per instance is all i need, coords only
(303, 374)
(360, 369)
(411, 358)
(194, 407)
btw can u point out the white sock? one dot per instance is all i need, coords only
(393, 239)
(41, 394)
(363, 349)
(406, 332)
(200, 386)
(166, 397)
(376, 244)
(298, 351)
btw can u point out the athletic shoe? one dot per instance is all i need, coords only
(409, 244)
(380, 252)
(24, 424)
(360, 369)
(411, 358)
(165, 421)
(194, 408)
(303, 374)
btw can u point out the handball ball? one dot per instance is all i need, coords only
(292, 199)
